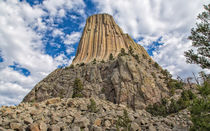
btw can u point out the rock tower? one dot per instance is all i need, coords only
(101, 37)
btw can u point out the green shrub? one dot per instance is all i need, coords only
(77, 89)
(200, 115)
(71, 66)
(124, 122)
(136, 57)
(130, 50)
(102, 61)
(156, 65)
(167, 74)
(150, 61)
(144, 56)
(175, 84)
(153, 74)
(103, 90)
(123, 52)
(200, 109)
(187, 95)
(172, 91)
(204, 90)
(111, 57)
(61, 93)
(157, 109)
(92, 107)
(173, 107)
(162, 108)
(94, 61)
(82, 64)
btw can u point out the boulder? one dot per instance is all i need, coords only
(34, 127)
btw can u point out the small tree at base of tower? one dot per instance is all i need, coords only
(77, 89)
(111, 57)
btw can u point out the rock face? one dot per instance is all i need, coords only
(131, 77)
(123, 80)
(70, 115)
(101, 37)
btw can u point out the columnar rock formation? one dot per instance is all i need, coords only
(131, 78)
(101, 37)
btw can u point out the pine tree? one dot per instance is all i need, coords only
(200, 37)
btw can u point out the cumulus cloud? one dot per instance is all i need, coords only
(171, 55)
(21, 41)
(154, 19)
(57, 32)
(72, 38)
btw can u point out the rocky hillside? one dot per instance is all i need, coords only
(124, 79)
(82, 114)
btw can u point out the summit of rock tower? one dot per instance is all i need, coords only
(102, 37)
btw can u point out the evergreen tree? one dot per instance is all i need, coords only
(200, 37)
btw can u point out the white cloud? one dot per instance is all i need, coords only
(152, 19)
(69, 49)
(57, 6)
(57, 32)
(20, 43)
(72, 38)
(171, 56)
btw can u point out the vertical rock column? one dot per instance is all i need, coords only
(101, 37)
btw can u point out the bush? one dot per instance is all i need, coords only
(153, 74)
(94, 61)
(92, 107)
(163, 109)
(205, 89)
(200, 109)
(103, 90)
(200, 115)
(124, 122)
(123, 52)
(144, 56)
(111, 57)
(102, 61)
(77, 89)
(136, 57)
(175, 84)
(150, 61)
(82, 64)
(172, 91)
(167, 74)
(156, 65)
(130, 50)
(71, 66)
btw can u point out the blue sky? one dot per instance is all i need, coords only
(37, 36)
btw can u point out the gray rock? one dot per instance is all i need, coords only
(96, 128)
(83, 107)
(76, 128)
(135, 127)
(17, 126)
(2, 129)
(43, 126)
(0, 121)
(81, 122)
(107, 123)
(151, 128)
(28, 120)
(54, 128)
